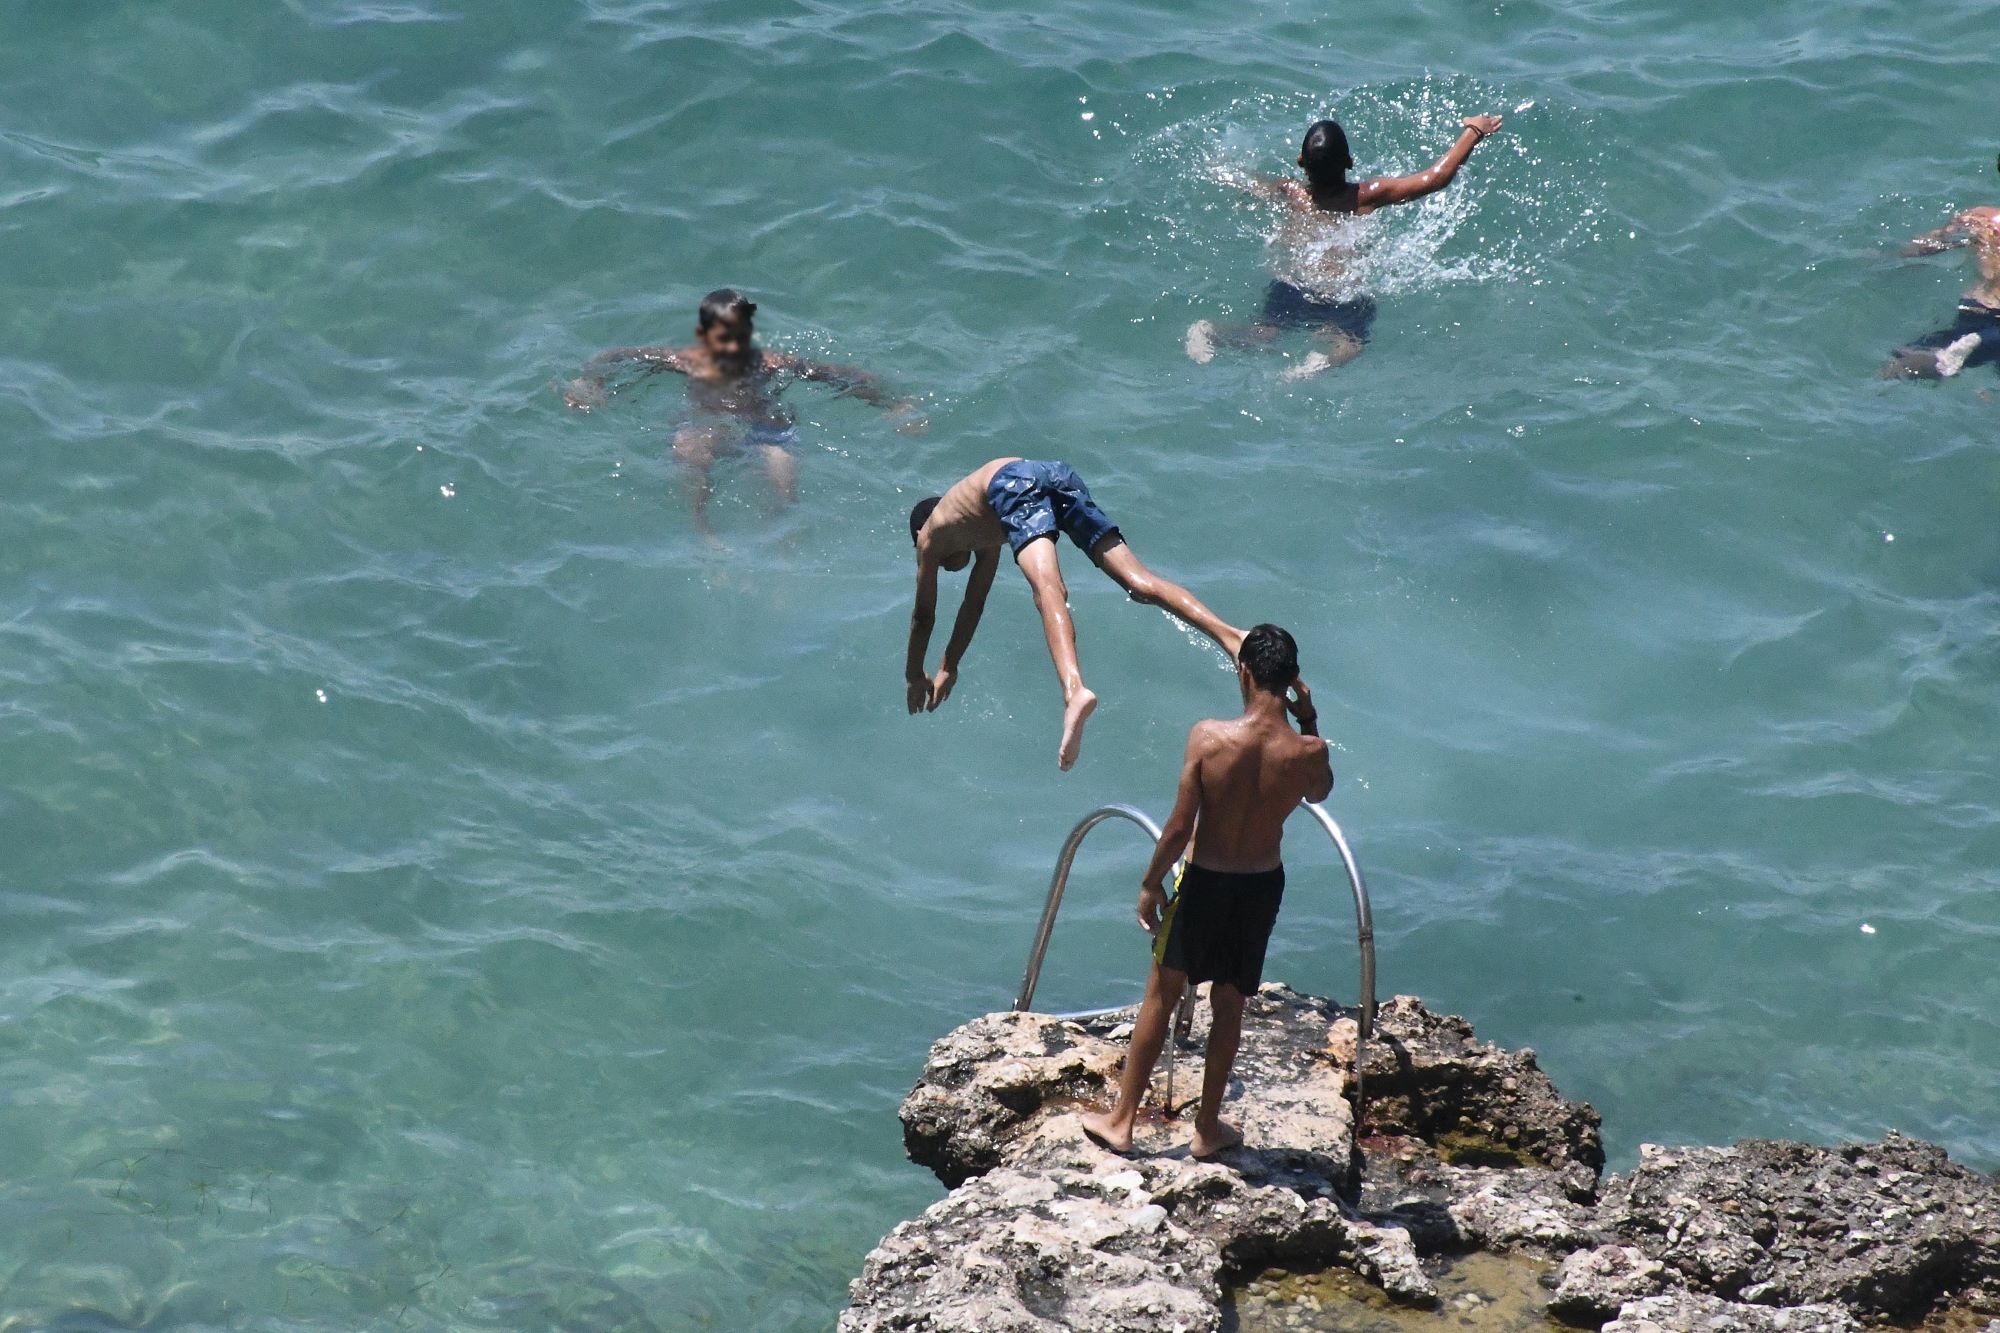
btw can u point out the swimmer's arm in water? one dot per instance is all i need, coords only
(1952, 235)
(1401, 189)
(1176, 832)
(852, 383)
(587, 389)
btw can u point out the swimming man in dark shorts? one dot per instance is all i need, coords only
(1301, 298)
(1239, 781)
(1017, 502)
(733, 386)
(1973, 339)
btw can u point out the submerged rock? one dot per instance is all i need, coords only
(1463, 1146)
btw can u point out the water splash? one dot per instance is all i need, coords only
(1518, 204)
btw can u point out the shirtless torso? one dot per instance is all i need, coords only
(1242, 778)
(1252, 772)
(963, 522)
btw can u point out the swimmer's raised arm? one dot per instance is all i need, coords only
(1952, 235)
(587, 389)
(1401, 189)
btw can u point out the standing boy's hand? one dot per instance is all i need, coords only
(1152, 903)
(918, 693)
(1299, 703)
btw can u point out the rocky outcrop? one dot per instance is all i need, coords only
(1687, 1312)
(1879, 1228)
(1436, 1144)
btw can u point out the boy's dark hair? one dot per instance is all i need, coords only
(921, 515)
(724, 303)
(1324, 154)
(1272, 655)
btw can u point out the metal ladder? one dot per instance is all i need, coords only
(1364, 933)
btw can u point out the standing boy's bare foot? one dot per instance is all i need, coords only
(1075, 713)
(1107, 1133)
(1208, 1143)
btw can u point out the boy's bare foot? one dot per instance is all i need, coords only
(1952, 356)
(1309, 365)
(1200, 343)
(1101, 1130)
(1075, 714)
(1206, 1144)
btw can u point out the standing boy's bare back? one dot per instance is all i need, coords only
(1240, 780)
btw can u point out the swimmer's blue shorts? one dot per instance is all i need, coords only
(773, 434)
(1035, 500)
(1290, 306)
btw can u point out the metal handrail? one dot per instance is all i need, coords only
(1059, 880)
(1364, 920)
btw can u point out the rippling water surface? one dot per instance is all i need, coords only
(439, 893)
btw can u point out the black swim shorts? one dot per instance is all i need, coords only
(1218, 924)
(1291, 306)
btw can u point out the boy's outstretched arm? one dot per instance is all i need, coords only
(587, 389)
(916, 679)
(1401, 189)
(849, 381)
(977, 584)
(1950, 236)
(1176, 832)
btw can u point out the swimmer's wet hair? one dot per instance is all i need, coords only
(921, 515)
(724, 304)
(1324, 154)
(1272, 655)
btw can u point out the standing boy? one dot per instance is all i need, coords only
(1239, 781)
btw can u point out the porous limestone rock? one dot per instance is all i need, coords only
(1888, 1229)
(1426, 1076)
(1687, 1312)
(1462, 1146)
(1018, 1252)
(1007, 1088)
(1592, 1285)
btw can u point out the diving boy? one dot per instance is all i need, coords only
(1018, 502)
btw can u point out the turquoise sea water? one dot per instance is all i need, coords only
(438, 893)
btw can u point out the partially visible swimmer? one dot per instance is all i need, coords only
(1019, 501)
(733, 386)
(1313, 255)
(1974, 339)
